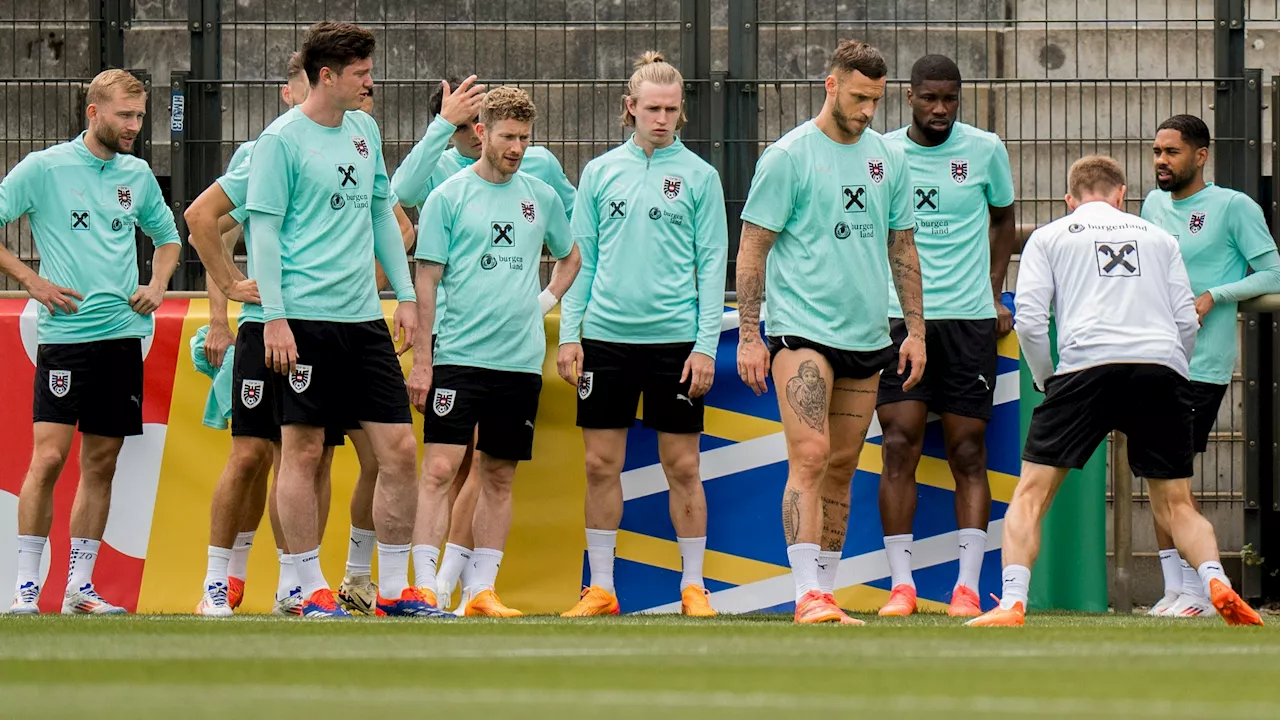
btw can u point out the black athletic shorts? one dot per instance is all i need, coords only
(1205, 399)
(347, 373)
(615, 375)
(253, 411)
(96, 385)
(504, 405)
(1145, 402)
(854, 364)
(960, 375)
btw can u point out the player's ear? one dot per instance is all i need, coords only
(1202, 156)
(1124, 191)
(831, 84)
(1071, 203)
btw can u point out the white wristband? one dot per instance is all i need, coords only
(547, 300)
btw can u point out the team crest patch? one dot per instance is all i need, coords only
(671, 187)
(875, 169)
(300, 378)
(585, 383)
(528, 210)
(443, 402)
(124, 196)
(1196, 224)
(362, 147)
(251, 393)
(59, 382)
(959, 171)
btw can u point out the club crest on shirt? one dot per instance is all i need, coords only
(875, 169)
(362, 147)
(671, 186)
(443, 402)
(1196, 223)
(251, 393)
(300, 378)
(528, 210)
(585, 383)
(959, 171)
(124, 196)
(59, 382)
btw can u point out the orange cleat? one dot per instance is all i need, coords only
(235, 592)
(1231, 606)
(964, 603)
(487, 604)
(902, 602)
(815, 607)
(844, 616)
(595, 601)
(1015, 616)
(694, 602)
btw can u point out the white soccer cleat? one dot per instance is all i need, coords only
(87, 601)
(463, 599)
(214, 603)
(26, 600)
(444, 595)
(290, 606)
(1190, 606)
(1161, 608)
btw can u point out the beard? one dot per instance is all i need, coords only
(111, 140)
(846, 123)
(935, 137)
(1177, 181)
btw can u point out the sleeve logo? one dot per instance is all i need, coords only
(875, 169)
(124, 196)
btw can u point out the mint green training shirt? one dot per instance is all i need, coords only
(952, 185)
(83, 211)
(235, 183)
(832, 206)
(654, 246)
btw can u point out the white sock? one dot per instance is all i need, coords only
(310, 575)
(360, 552)
(425, 560)
(30, 551)
(804, 567)
(692, 551)
(973, 547)
(484, 570)
(288, 575)
(219, 559)
(1193, 582)
(1211, 570)
(601, 547)
(84, 553)
(828, 564)
(455, 559)
(1017, 581)
(393, 569)
(1171, 568)
(239, 566)
(898, 549)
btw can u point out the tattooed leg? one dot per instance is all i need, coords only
(852, 404)
(805, 377)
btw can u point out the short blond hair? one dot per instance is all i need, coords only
(507, 103)
(1096, 175)
(652, 67)
(105, 85)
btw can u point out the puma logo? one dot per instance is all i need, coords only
(985, 384)
(684, 398)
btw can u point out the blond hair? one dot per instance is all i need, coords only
(1096, 175)
(295, 67)
(507, 103)
(652, 67)
(105, 85)
(853, 56)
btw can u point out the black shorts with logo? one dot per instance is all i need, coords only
(502, 404)
(854, 364)
(96, 385)
(1145, 402)
(615, 375)
(253, 409)
(1205, 400)
(960, 374)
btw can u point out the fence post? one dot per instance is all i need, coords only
(184, 278)
(695, 65)
(202, 136)
(743, 116)
(106, 42)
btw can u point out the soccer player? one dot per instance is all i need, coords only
(1222, 234)
(824, 200)
(83, 199)
(481, 234)
(1126, 330)
(320, 210)
(962, 194)
(643, 317)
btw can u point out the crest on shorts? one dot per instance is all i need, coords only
(300, 378)
(124, 196)
(671, 187)
(362, 147)
(528, 210)
(443, 403)
(875, 169)
(1196, 224)
(251, 393)
(59, 382)
(959, 171)
(585, 383)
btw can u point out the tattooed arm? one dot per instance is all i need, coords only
(905, 264)
(753, 356)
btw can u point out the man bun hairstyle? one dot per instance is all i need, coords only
(652, 67)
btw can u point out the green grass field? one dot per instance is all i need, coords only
(1063, 666)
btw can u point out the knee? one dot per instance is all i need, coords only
(840, 468)
(602, 467)
(46, 464)
(809, 460)
(497, 482)
(900, 450)
(438, 470)
(968, 460)
(99, 463)
(683, 471)
(248, 456)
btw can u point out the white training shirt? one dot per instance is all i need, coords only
(1118, 289)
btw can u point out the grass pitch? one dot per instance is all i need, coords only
(1061, 666)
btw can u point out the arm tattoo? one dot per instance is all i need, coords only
(835, 524)
(752, 250)
(905, 264)
(791, 516)
(807, 395)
